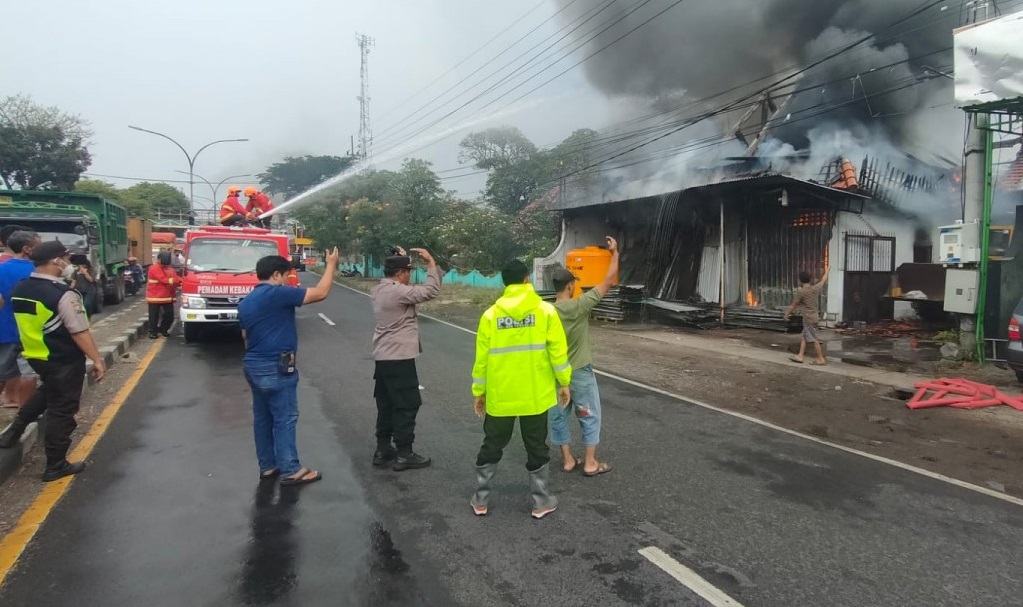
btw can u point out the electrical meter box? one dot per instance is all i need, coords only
(959, 243)
(962, 288)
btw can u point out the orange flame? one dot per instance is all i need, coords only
(751, 300)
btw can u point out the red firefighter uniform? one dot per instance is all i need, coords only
(232, 211)
(162, 285)
(259, 202)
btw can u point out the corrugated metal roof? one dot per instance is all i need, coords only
(766, 180)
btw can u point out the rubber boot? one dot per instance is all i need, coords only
(484, 477)
(542, 500)
(12, 434)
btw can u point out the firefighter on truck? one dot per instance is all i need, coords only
(259, 203)
(232, 212)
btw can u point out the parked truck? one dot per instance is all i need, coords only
(140, 240)
(87, 224)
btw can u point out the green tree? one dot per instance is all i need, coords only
(477, 237)
(136, 207)
(41, 145)
(515, 165)
(161, 198)
(295, 175)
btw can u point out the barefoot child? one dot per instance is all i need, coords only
(808, 300)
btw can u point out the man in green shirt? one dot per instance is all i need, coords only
(575, 317)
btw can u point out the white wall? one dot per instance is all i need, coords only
(904, 231)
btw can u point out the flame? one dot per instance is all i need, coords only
(751, 299)
(811, 218)
(827, 254)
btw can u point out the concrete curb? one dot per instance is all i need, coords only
(112, 350)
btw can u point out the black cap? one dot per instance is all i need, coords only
(397, 262)
(564, 276)
(49, 250)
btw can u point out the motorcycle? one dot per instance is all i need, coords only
(131, 286)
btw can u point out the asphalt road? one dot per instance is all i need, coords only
(171, 513)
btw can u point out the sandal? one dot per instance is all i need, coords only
(798, 361)
(265, 475)
(602, 467)
(818, 364)
(578, 462)
(302, 477)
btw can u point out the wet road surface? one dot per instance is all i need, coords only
(171, 513)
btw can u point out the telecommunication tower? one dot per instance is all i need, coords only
(365, 134)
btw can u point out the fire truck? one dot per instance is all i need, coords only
(220, 270)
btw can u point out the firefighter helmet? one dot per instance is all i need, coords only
(250, 191)
(232, 190)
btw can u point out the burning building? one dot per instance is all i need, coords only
(848, 161)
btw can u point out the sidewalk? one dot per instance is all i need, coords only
(780, 356)
(114, 335)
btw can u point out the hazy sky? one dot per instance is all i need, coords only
(283, 74)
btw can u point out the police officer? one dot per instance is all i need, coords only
(55, 335)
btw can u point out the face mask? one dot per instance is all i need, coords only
(68, 272)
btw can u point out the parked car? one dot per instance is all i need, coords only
(1014, 353)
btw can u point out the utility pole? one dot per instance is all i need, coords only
(365, 134)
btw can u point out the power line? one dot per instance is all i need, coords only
(477, 70)
(615, 22)
(471, 55)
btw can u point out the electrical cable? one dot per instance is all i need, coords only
(471, 55)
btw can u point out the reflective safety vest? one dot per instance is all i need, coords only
(259, 203)
(162, 285)
(521, 355)
(43, 335)
(231, 207)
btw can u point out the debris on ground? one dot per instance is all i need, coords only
(960, 393)
(893, 328)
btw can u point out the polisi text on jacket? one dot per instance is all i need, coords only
(507, 322)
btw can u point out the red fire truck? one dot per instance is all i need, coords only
(220, 270)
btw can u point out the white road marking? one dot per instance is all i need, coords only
(685, 399)
(688, 578)
(327, 320)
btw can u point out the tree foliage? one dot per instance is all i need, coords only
(142, 199)
(161, 197)
(295, 175)
(40, 145)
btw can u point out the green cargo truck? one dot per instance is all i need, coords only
(87, 224)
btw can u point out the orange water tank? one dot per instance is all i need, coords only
(589, 265)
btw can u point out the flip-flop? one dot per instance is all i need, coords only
(303, 478)
(795, 360)
(817, 364)
(602, 467)
(578, 462)
(266, 475)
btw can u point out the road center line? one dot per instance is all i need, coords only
(688, 578)
(15, 542)
(685, 399)
(327, 320)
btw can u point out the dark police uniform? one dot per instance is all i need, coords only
(48, 313)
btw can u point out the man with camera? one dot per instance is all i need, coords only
(395, 348)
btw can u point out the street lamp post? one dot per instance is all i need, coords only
(216, 188)
(191, 159)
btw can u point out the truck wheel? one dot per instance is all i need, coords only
(113, 294)
(191, 330)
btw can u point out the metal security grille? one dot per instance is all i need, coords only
(783, 242)
(869, 253)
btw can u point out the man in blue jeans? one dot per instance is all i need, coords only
(575, 317)
(267, 317)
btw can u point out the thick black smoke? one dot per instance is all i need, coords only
(701, 48)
